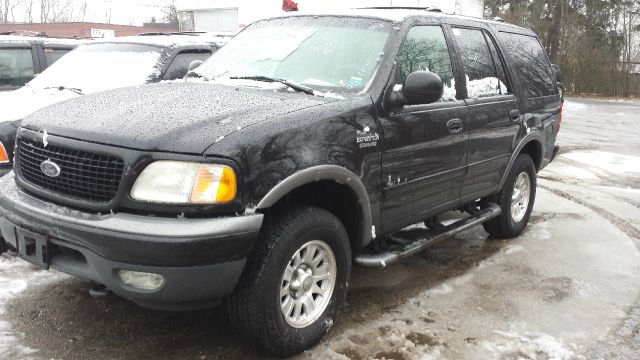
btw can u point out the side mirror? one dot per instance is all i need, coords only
(194, 65)
(421, 87)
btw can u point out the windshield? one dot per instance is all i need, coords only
(338, 54)
(97, 67)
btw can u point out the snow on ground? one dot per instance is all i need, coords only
(16, 276)
(611, 162)
(570, 105)
(527, 345)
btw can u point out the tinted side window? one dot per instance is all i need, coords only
(531, 64)
(16, 67)
(180, 64)
(479, 65)
(425, 48)
(52, 55)
(500, 67)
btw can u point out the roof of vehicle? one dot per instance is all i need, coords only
(400, 14)
(28, 40)
(163, 40)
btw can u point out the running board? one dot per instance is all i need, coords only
(399, 252)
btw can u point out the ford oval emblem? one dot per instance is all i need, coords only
(50, 168)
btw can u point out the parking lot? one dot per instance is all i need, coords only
(567, 288)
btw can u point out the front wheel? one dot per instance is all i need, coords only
(295, 281)
(515, 199)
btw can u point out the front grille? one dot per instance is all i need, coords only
(83, 175)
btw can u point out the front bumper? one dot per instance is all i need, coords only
(200, 259)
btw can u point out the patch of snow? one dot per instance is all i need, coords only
(570, 171)
(479, 88)
(16, 276)
(373, 231)
(512, 249)
(570, 105)
(611, 162)
(528, 345)
(441, 290)
(45, 137)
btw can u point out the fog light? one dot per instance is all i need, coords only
(141, 280)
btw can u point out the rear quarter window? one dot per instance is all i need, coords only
(531, 64)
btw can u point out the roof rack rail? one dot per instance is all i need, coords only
(428, 8)
(169, 33)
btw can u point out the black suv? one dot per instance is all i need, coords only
(295, 152)
(22, 58)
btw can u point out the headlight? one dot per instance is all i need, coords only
(178, 182)
(4, 157)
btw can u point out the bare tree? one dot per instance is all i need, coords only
(170, 12)
(8, 7)
(28, 11)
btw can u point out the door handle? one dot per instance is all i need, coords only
(454, 126)
(514, 115)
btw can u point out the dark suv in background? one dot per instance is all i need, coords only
(304, 145)
(22, 57)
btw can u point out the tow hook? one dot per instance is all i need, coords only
(99, 291)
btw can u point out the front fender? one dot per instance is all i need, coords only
(326, 172)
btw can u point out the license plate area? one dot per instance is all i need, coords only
(33, 248)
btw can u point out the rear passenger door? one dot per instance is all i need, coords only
(540, 95)
(493, 111)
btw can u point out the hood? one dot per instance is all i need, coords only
(176, 117)
(18, 104)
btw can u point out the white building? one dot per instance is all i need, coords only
(232, 15)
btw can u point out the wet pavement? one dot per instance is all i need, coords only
(568, 288)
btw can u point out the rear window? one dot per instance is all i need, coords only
(16, 66)
(531, 64)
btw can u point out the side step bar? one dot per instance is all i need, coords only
(393, 255)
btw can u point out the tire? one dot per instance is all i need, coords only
(256, 307)
(511, 223)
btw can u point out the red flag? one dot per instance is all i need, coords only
(289, 5)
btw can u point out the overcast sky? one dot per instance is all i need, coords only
(124, 12)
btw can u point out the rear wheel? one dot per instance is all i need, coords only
(295, 281)
(515, 199)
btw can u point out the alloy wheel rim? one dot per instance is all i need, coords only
(520, 196)
(307, 283)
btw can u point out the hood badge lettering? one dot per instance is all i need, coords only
(365, 138)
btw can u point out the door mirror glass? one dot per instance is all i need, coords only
(422, 87)
(194, 65)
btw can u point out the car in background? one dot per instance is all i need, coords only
(23, 57)
(99, 66)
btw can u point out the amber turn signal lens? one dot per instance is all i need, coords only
(4, 157)
(213, 184)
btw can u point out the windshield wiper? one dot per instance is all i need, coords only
(294, 86)
(60, 88)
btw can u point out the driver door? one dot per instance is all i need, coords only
(425, 146)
